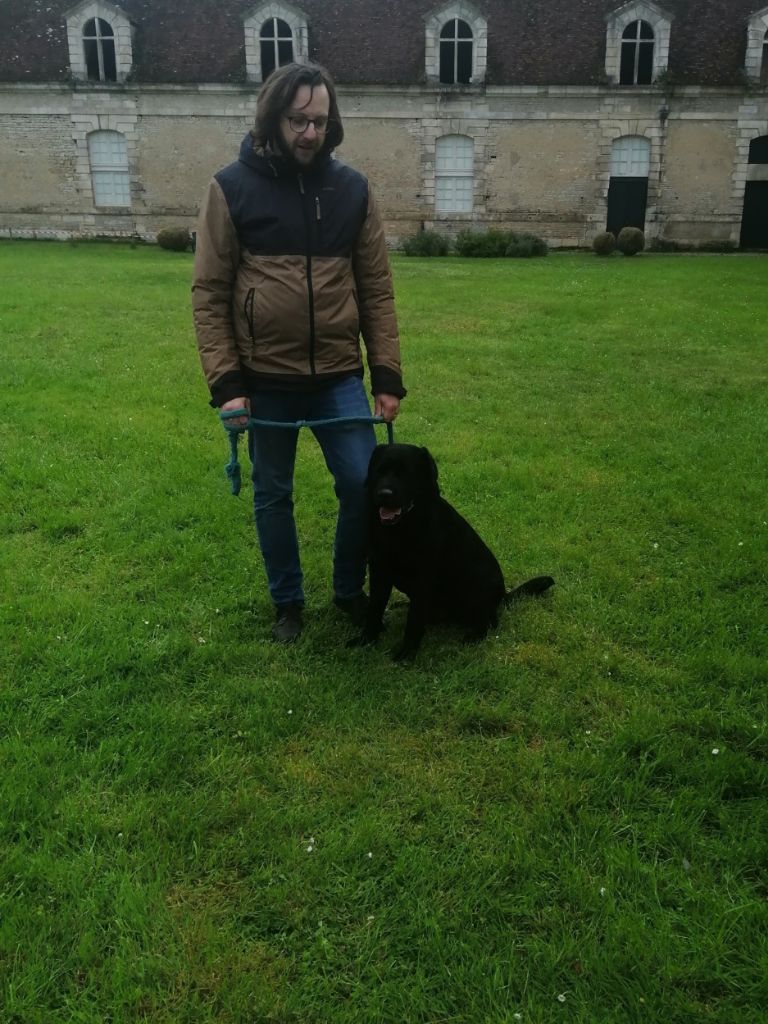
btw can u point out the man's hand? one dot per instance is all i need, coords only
(237, 403)
(386, 406)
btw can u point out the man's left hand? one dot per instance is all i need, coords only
(386, 406)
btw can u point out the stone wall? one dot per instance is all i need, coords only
(542, 154)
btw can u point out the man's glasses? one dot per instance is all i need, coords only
(299, 123)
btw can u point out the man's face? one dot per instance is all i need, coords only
(307, 104)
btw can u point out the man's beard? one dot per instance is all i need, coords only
(287, 154)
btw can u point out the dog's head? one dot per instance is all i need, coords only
(401, 478)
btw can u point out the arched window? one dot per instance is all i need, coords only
(630, 157)
(454, 174)
(455, 52)
(99, 50)
(276, 42)
(108, 156)
(637, 54)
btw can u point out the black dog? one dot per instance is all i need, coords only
(420, 544)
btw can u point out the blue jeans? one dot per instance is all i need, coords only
(347, 450)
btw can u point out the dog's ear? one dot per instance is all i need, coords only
(431, 474)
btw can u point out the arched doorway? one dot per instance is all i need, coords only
(754, 220)
(628, 190)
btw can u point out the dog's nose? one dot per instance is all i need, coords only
(384, 493)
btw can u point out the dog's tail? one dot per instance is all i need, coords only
(532, 588)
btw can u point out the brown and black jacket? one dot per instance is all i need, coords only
(291, 267)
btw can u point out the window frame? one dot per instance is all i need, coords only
(459, 10)
(122, 37)
(756, 53)
(640, 45)
(100, 40)
(274, 41)
(112, 168)
(253, 22)
(454, 175)
(455, 41)
(660, 22)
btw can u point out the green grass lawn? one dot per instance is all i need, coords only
(567, 823)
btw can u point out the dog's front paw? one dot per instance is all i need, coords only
(404, 655)
(364, 639)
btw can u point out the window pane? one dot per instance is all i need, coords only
(630, 157)
(285, 51)
(447, 74)
(454, 174)
(448, 31)
(283, 29)
(267, 58)
(463, 30)
(108, 155)
(464, 66)
(453, 195)
(107, 150)
(108, 53)
(645, 64)
(627, 72)
(92, 59)
(105, 28)
(111, 188)
(268, 29)
(630, 32)
(89, 28)
(646, 32)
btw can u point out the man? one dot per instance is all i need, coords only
(290, 268)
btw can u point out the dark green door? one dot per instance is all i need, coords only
(627, 201)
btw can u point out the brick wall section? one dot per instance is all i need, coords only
(546, 42)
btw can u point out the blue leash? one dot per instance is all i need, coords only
(235, 430)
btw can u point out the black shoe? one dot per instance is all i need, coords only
(287, 629)
(355, 608)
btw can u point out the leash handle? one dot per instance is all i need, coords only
(236, 429)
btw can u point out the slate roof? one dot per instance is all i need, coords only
(531, 42)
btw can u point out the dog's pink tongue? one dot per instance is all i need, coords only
(388, 514)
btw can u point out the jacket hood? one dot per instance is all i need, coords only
(273, 164)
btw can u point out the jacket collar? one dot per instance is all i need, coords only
(273, 164)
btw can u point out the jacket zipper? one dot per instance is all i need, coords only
(310, 294)
(248, 310)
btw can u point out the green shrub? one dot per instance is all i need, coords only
(717, 245)
(175, 239)
(497, 244)
(427, 243)
(524, 245)
(604, 243)
(630, 241)
(485, 244)
(668, 245)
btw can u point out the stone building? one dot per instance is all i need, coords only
(559, 116)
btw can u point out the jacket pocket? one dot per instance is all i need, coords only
(248, 310)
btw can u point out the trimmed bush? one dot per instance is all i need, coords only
(604, 243)
(525, 245)
(668, 245)
(630, 241)
(496, 244)
(717, 245)
(427, 243)
(175, 239)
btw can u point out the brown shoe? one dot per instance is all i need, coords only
(287, 628)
